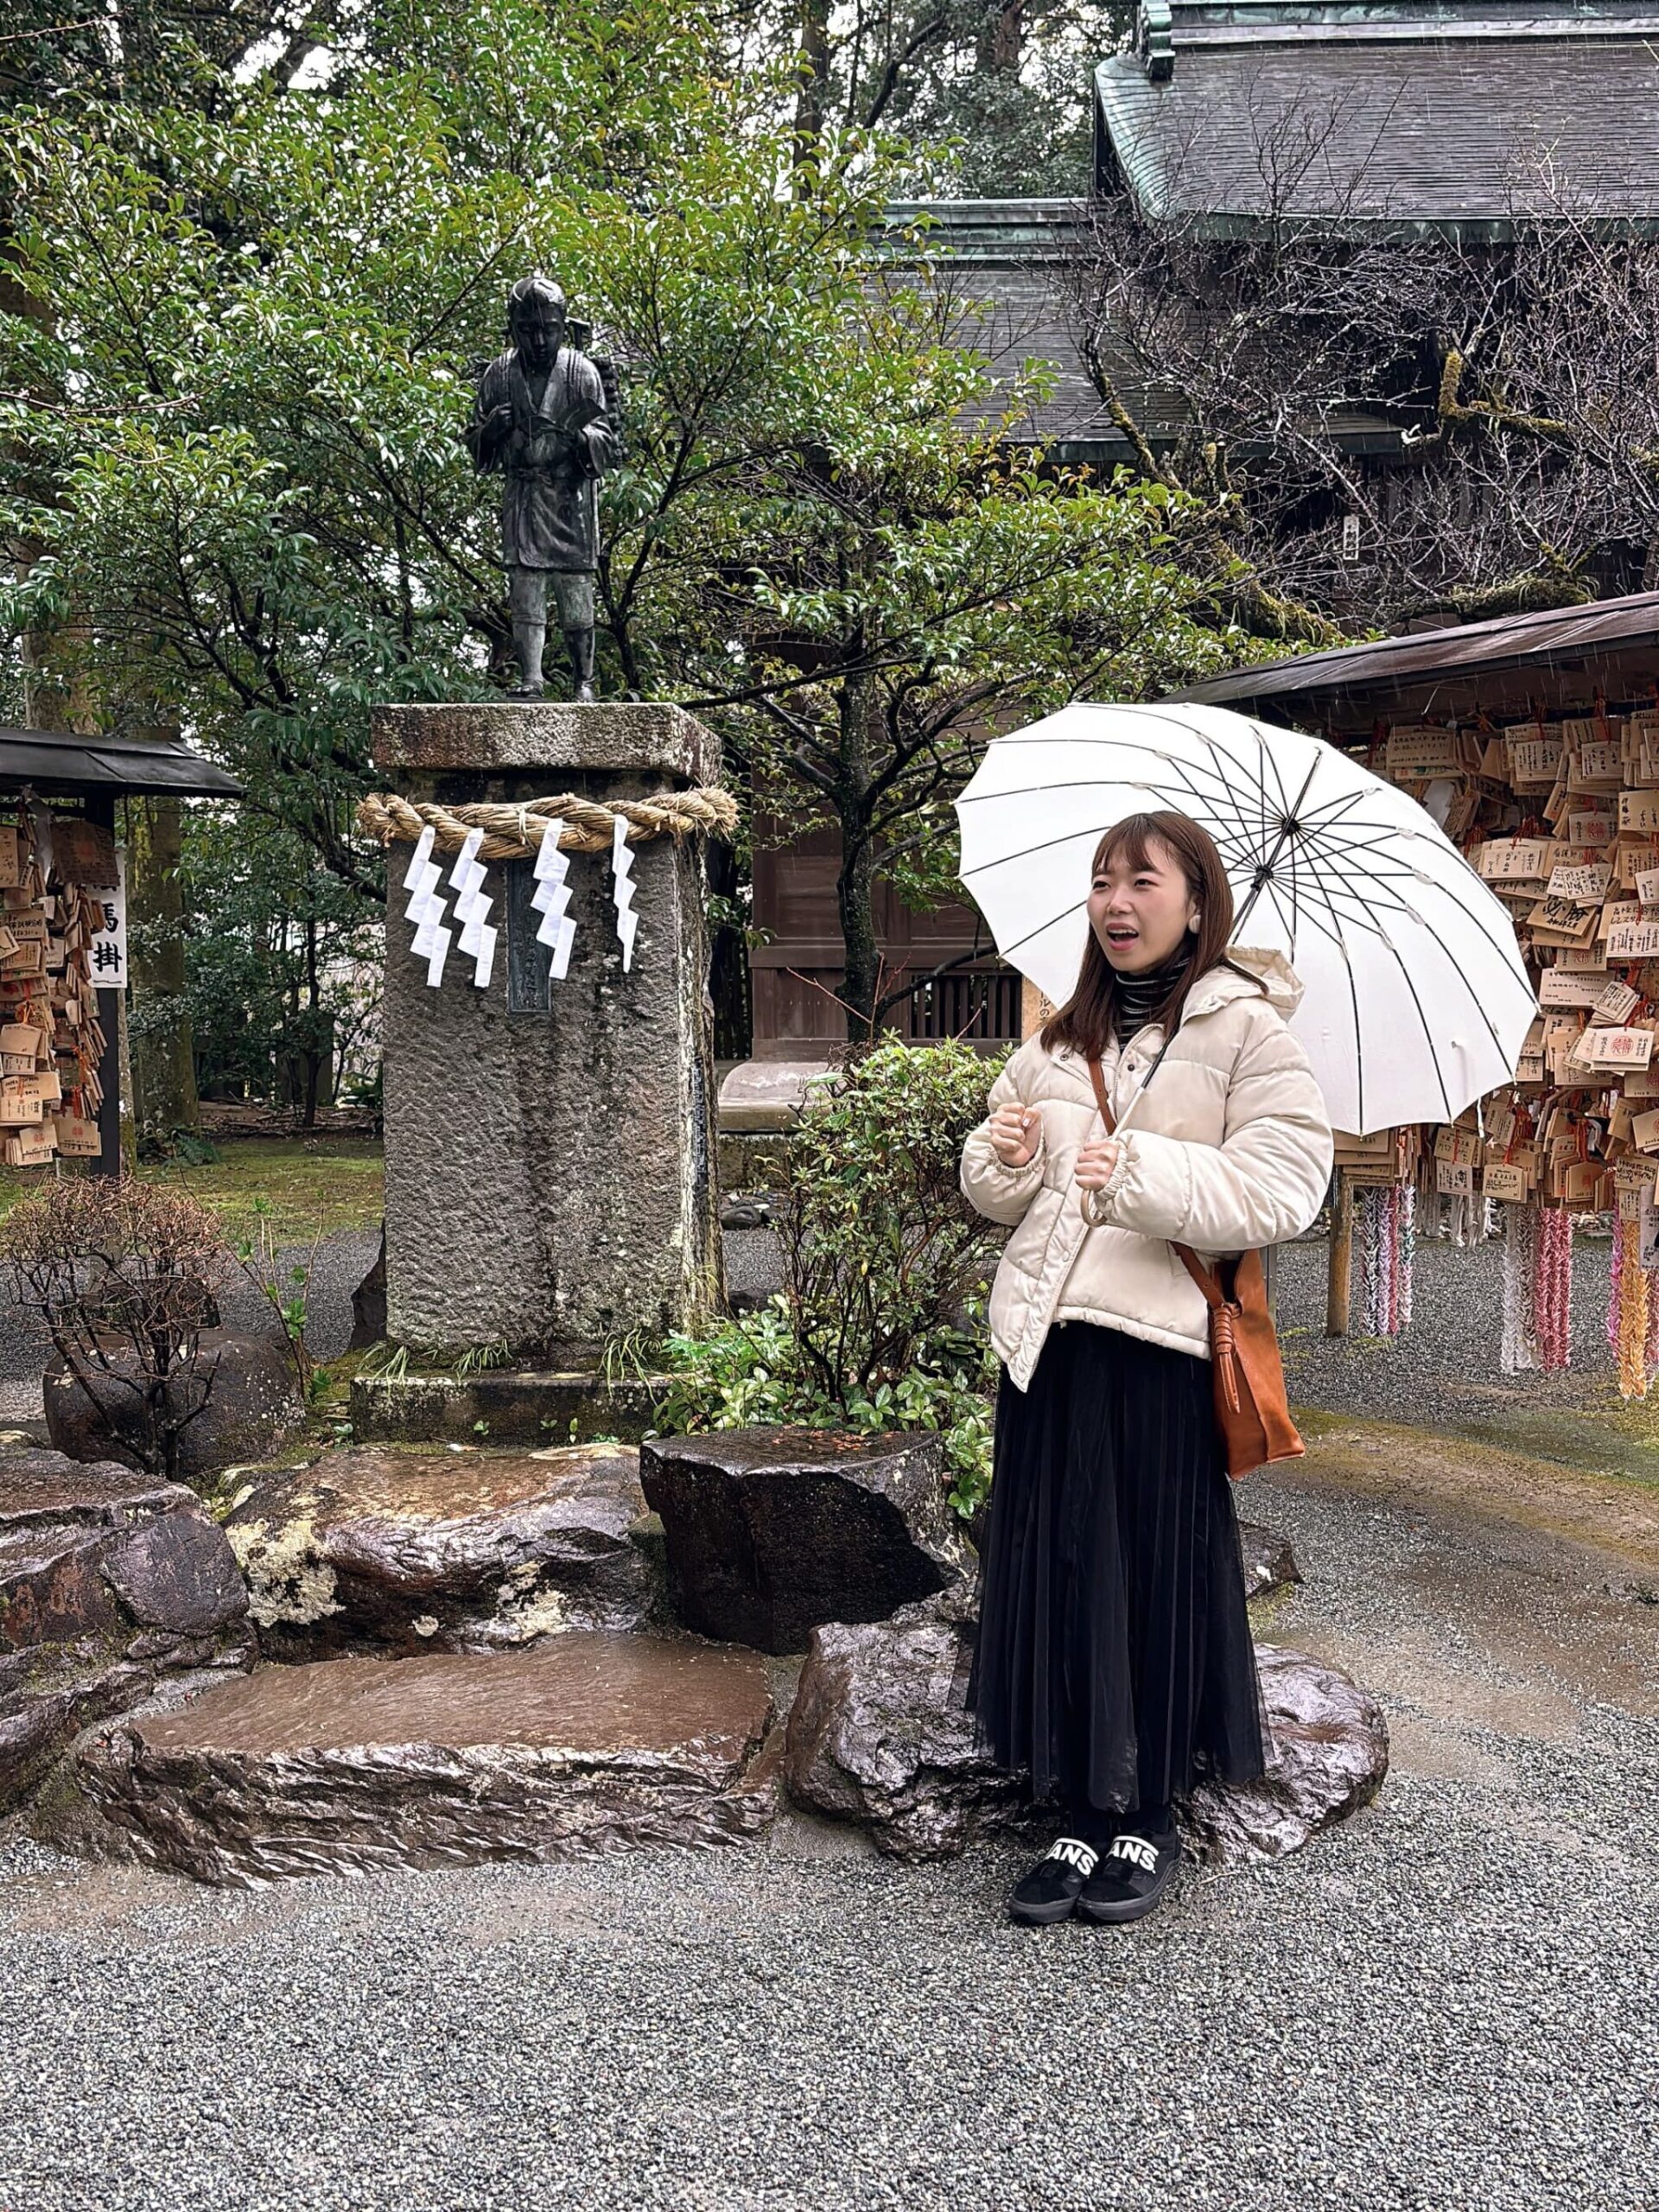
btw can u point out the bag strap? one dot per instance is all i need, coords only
(1100, 1099)
(1208, 1283)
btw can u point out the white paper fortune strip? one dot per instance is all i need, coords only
(622, 890)
(472, 908)
(426, 908)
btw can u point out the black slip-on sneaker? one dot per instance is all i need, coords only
(1131, 1879)
(1050, 1890)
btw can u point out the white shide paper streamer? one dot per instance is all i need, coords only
(431, 941)
(550, 898)
(622, 890)
(472, 909)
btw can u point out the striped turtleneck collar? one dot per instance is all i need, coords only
(1137, 998)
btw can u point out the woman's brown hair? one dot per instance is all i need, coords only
(1084, 1022)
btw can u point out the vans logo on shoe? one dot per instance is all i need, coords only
(1070, 1852)
(1138, 1852)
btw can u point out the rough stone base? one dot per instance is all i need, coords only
(590, 1744)
(770, 1532)
(518, 1116)
(515, 1405)
(749, 1161)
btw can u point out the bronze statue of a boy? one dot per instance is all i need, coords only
(540, 419)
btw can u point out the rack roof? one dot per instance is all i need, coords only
(58, 763)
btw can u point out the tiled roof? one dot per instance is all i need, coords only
(1425, 116)
(1005, 256)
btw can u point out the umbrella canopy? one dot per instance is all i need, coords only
(1416, 999)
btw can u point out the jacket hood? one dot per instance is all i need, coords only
(1272, 970)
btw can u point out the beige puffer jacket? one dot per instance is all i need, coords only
(1229, 1148)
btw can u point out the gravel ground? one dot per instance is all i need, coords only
(1449, 2002)
(1441, 1373)
(1443, 1369)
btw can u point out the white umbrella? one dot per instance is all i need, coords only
(1417, 995)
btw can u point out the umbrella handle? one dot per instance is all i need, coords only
(1113, 1123)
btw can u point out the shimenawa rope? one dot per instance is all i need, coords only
(516, 833)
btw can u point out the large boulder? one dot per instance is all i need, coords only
(1328, 1757)
(590, 1743)
(879, 1734)
(253, 1404)
(412, 1551)
(769, 1533)
(109, 1581)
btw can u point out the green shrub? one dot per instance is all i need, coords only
(880, 1322)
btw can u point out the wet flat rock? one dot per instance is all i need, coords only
(109, 1580)
(769, 1533)
(404, 1552)
(590, 1743)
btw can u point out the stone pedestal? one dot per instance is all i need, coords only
(549, 1146)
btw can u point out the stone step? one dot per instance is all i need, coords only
(404, 1552)
(523, 1406)
(591, 1742)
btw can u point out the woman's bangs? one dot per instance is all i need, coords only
(1131, 839)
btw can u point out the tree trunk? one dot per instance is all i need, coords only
(812, 98)
(312, 1051)
(855, 883)
(728, 959)
(163, 1049)
(999, 46)
(855, 901)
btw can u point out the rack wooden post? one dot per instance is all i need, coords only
(1339, 1295)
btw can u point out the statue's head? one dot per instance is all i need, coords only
(536, 320)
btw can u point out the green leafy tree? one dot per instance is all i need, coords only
(992, 96)
(239, 451)
(837, 538)
(282, 963)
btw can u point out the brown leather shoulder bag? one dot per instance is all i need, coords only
(1251, 1409)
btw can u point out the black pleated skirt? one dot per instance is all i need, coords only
(1114, 1663)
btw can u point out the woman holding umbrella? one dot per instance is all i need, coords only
(1114, 1664)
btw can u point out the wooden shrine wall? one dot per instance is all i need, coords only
(793, 975)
